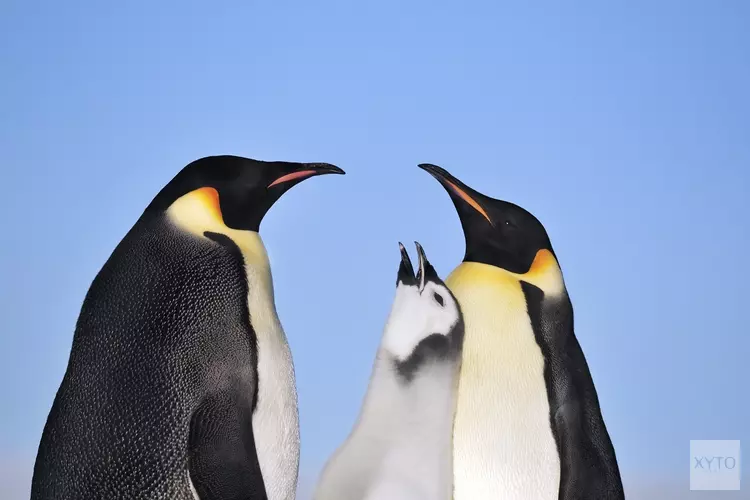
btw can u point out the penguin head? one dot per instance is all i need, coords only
(497, 232)
(238, 190)
(425, 321)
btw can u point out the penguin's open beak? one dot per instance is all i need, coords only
(405, 269)
(307, 170)
(425, 272)
(420, 272)
(458, 191)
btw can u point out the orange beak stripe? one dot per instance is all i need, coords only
(468, 199)
(292, 176)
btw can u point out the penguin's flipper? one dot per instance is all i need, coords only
(588, 465)
(222, 463)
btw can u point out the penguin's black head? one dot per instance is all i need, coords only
(242, 189)
(497, 232)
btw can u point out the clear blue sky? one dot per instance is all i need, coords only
(622, 125)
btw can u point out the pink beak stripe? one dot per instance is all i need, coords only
(294, 175)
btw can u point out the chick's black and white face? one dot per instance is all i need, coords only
(425, 319)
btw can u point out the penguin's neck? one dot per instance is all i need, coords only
(412, 423)
(394, 403)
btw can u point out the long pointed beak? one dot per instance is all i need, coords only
(457, 189)
(420, 272)
(308, 170)
(405, 269)
(426, 272)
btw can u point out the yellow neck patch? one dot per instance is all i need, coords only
(544, 273)
(199, 211)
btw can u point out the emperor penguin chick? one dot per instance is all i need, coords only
(400, 447)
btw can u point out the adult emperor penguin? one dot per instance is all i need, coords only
(400, 448)
(528, 423)
(180, 383)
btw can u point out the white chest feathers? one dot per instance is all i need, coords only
(276, 418)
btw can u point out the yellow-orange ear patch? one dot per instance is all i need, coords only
(542, 262)
(545, 273)
(468, 199)
(209, 198)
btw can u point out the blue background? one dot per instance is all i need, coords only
(624, 126)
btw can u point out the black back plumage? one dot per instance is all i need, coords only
(161, 380)
(588, 462)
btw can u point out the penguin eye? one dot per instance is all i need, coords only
(439, 299)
